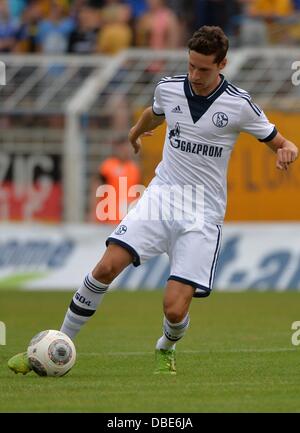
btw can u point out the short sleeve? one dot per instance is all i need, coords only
(254, 121)
(157, 106)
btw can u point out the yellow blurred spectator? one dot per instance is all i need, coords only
(274, 13)
(113, 38)
(115, 34)
(271, 8)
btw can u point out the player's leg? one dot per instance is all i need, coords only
(133, 241)
(86, 299)
(193, 259)
(177, 299)
(91, 292)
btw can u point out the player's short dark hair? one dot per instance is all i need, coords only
(210, 40)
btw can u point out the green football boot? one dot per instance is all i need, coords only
(19, 363)
(165, 362)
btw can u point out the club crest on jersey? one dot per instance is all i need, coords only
(121, 230)
(174, 132)
(220, 119)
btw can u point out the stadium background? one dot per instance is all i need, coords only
(75, 83)
(78, 73)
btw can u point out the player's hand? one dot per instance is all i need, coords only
(285, 156)
(136, 140)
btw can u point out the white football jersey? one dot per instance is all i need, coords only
(201, 133)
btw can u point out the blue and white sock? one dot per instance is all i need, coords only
(173, 332)
(83, 305)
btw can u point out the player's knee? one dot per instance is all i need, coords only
(173, 314)
(175, 309)
(105, 272)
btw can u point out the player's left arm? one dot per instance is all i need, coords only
(287, 152)
(145, 125)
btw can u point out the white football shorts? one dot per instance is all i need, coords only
(193, 249)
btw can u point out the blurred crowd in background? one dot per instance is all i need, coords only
(108, 26)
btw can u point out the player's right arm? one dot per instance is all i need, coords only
(144, 127)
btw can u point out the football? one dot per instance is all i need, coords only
(51, 353)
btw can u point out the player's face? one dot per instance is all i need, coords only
(204, 72)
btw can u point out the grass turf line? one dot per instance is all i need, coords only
(237, 355)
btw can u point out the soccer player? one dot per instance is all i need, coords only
(204, 114)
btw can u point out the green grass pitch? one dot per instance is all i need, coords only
(237, 355)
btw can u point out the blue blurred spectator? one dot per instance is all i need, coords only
(200, 13)
(217, 13)
(17, 7)
(296, 5)
(9, 28)
(138, 7)
(54, 32)
(185, 12)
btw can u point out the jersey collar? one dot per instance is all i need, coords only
(213, 94)
(198, 104)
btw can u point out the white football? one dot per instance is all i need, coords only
(51, 353)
